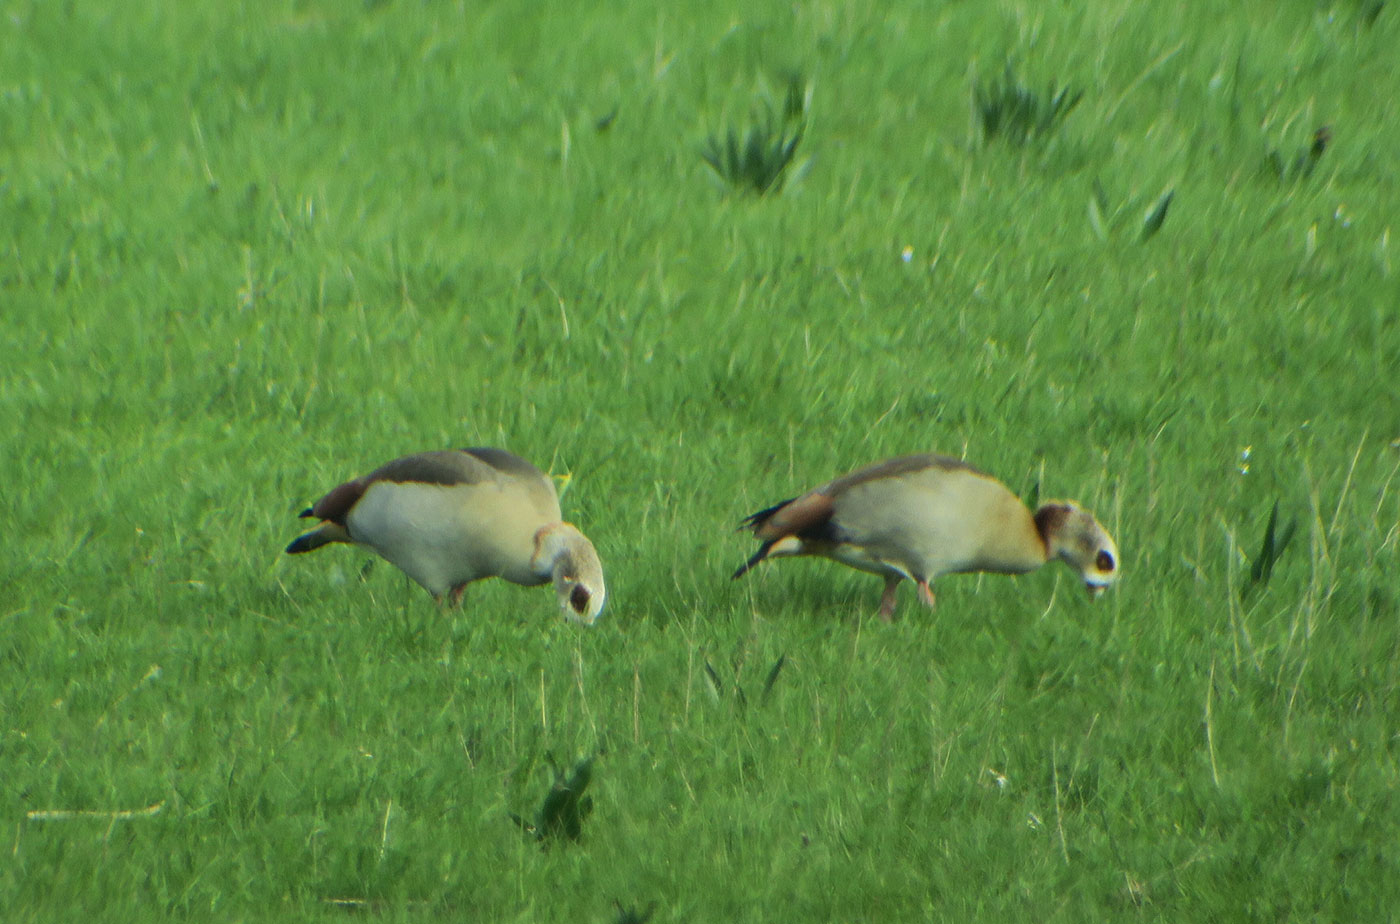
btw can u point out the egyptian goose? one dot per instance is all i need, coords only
(455, 516)
(922, 516)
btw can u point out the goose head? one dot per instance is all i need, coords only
(565, 557)
(1072, 535)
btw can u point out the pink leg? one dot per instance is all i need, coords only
(887, 599)
(454, 598)
(926, 594)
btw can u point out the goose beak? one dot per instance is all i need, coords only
(1094, 590)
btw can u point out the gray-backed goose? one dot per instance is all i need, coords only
(921, 516)
(455, 516)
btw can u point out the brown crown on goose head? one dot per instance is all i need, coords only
(921, 516)
(451, 517)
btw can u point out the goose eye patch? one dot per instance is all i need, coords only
(578, 599)
(1104, 562)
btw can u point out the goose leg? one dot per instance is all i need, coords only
(888, 598)
(454, 598)
(926, 594)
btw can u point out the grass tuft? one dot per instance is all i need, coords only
(632, 915)
(772, 677)
(1304, 161)
(1157, 215)
(756, 158)
(565, 806)
(1009, 110)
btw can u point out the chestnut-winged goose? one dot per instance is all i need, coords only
(451, 517)
(921, 516)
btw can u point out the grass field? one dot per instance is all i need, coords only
(252, 249)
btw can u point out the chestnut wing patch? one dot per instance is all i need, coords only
(807, 517)
(336, 504)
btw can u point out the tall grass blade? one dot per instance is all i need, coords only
(773, 676)
(1100, 197)
(795, 99)
(1096, 219)
(1307, 161)
(1099, 209)
(1271, 549)
(1153, 222)
(716, 686)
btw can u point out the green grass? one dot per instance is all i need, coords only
(251, 249)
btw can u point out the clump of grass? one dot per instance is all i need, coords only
(715, 685)
(1103, 215)
(757, 158)
(565, 806)
(632, 915)
(1304, 161)
(1008, 109)
(1369, 11)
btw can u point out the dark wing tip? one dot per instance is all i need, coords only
(304, 543)
(754, 559)
(308, 512)
(755, 520)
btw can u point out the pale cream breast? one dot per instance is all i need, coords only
(445, 535)
(1008, 541)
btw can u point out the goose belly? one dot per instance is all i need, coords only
(420, 528)
(862, 559)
